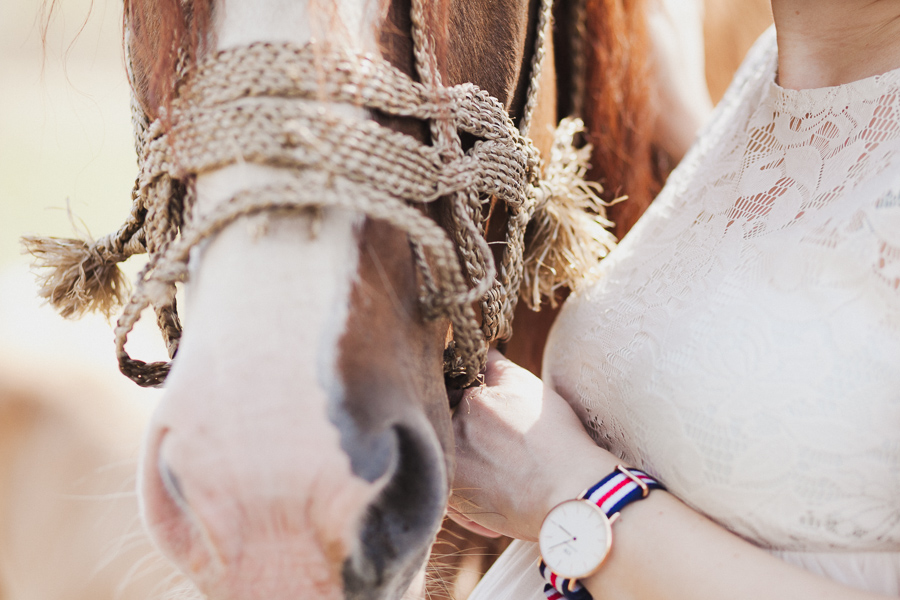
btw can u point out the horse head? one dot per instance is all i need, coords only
(303, 447)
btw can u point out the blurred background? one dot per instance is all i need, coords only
(65, 132)
(67, 157)
(70, 425)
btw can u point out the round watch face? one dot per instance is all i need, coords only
(575, 538)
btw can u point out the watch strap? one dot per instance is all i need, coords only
(611, 494)
(619, 488)
(558, 588)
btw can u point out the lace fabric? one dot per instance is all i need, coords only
(744, 340)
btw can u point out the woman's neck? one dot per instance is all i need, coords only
(824, 43)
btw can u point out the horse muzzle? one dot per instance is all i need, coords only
(275, 500)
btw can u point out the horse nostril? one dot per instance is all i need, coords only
(403, 519)
(373, 454)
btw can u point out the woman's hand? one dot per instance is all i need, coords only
(520, 450)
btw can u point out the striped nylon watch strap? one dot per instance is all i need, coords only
(611, 494)
(558, 588)
(616, 490)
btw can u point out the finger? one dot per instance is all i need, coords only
(467, 523)
(498, 368)
(494, 368)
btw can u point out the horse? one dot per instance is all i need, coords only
(303, 445)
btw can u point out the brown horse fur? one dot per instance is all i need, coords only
(158, 29)
(618, 136)
(617, 107)
(617, 103)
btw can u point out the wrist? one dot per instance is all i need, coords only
(569, 482)
(577, 535)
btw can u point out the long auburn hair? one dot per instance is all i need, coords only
(617, 108)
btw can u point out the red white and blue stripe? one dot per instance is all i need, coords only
(552, 593)
(557, 588)
(611, 494)
(615, 491)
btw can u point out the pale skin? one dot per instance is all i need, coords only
(521, 449)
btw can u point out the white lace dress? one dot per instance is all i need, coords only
(743, 344)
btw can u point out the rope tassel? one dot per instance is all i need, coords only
(568, 234)
(79, 277)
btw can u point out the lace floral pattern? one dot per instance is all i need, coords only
(745, 337)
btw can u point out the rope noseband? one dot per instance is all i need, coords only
(262, 104)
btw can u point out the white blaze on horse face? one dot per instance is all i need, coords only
(349, 23)
(244, 478)
(274, 265)
(244, 428)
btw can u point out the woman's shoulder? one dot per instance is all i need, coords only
(756, 72)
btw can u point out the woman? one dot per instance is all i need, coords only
(742, 347)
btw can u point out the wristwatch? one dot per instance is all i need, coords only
(576, 535)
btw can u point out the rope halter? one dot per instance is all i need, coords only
(253, 104)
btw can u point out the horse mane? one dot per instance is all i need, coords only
(617, 109)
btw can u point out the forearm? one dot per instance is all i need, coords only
(663, 550)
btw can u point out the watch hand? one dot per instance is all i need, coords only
(559, 544)
(566, 530)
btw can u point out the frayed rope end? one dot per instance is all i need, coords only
(569, 232)
(76, 276)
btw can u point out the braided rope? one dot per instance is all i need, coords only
(545, 16)
(242, 106)
(262, 104)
